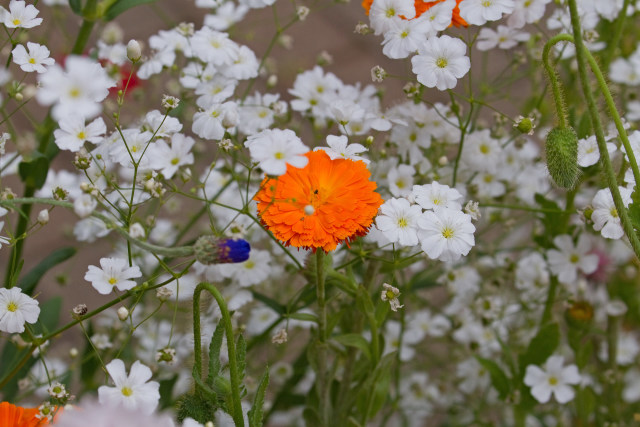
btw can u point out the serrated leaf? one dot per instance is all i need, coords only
(499, 379)
(541, 347)
(33, 171)
(122, 6)
(355, 340)
(255, 413)
(31, 279)
(214, 353)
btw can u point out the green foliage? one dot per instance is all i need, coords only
(375, 390)
(541, 347)
(34, 170)
(31, 279)
(255, 413)
(499, 379)
(356, 341)
(121, 6)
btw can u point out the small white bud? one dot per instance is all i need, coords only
(73, 352)
(302, 12)
(123, 313)
(134, 51)
(136, 231)
(309, 210)
(443, 161)
(272, 80)
(230, 119)
(43, 217)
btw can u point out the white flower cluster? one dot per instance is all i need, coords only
(442, 229)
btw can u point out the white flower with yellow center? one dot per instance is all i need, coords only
(441, 62)
(478, 12)
(605, 215)
(554, 379)
(114, 273)
(33, 60)
(570, 258)
(16, 308)
(133, 391)
(20, 15)
(446, 234)
(397, 221)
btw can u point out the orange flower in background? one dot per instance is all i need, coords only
(321, 205)
(423, 6)
(17, 416)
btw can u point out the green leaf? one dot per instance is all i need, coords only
(541, 347)
(270, 302)
(33, 172)
(122, 6)
(214, 354)
(166, 392)
(355, 340)
(554, 222)
(31, 279)
(375, 390)
(76, 6)
(90, 362)
(499, 379)
(255, 413)
(382, 309)
(634, 208)
(307, 317)
(49, 316)
(241, 355)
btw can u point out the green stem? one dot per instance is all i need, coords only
(551, 297)
(322, 378)
(561, 107)
(599, 132)
(612, 353)
(89, 21)
(236, 407)
(617, 35)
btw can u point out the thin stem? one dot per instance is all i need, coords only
(561, 107)
(323, 380)
(595, 119)
(236, 407)
(617, 35)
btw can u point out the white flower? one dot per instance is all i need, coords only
(275, 148)
(114, 272)
(478, 12)
(208, 124)
(554, 379)
(34, 60)
(405, 37)
(436, 195)
(566, 262)
(383, 13)
(441, 62)
(169, 158)
(96, 414)
(398, 221)
(3, 240)
(133, 391)
(504, 38)
(446, 234)
(84, 205)
(16, 308)
(73, 132)
(605, 215)
(588, 152)
(20, 15)
(391, 294)
(77, 90)
(339, 148)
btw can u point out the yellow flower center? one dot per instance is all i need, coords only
(389, 295)
(249, 265)
(553, 380)
(391, 12)
(442, 62)
(12, 307)
(126, 391)
(175, 161)
(486, 3)
(402, 223)
(262, 114)
(74, 92)
(279, 155)
(404, 34)
(447, 233)
(215, 113)
(484, 149)
(614, 212)
(488, 178)
(574, 258)
(82, 135)
(16, 22)
(32, 60)
(113, 281)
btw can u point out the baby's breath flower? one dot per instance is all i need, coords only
(378, 74)
(46, 411)
(164, 293)
(525, 125)
(170, 102)
(280, 337)
(302, 12)
(391, 293)
(167, 355)
(57, 390)
(472, 209)
(225, 144)
(362, 28)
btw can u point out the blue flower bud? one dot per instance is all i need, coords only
(216, 250)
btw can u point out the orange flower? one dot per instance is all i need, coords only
(422, 6)
(321, 205)
(17, 416)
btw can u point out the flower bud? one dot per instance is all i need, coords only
(230, 119)
(562, 156)
(43, 217)
(123, 313)
(215, 250)
(134, 51)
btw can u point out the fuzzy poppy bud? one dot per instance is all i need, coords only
(214, 250)
(562, 156)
